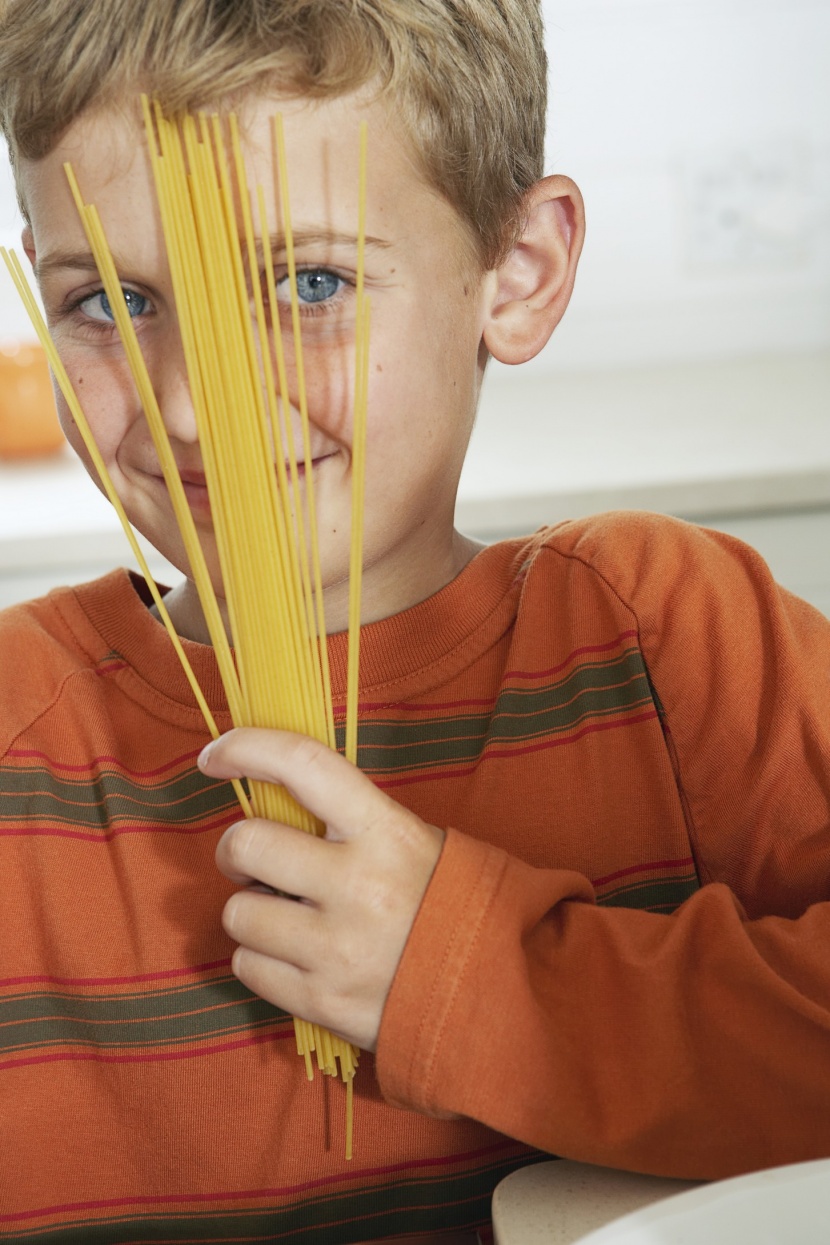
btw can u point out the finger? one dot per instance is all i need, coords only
(272, 925)
(301, 994)
(273, 980)
(324, 782)
(281, 856)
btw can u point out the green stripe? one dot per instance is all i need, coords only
(590, 692)
(382, 764)
(172, 1018)
(521, 715)
(39, 795)
(455, 1201)
(112, 655)
(215, 1009)
(661, 894)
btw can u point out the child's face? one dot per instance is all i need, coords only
(428, 308)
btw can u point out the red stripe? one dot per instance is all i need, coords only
(166, 975)
(652, 867)
(500, 753)
(372, 707)
(578, 652)
(369, 706)
(103, 671)
(164, 1057)
(97, 762)
(345, 1177)
(41, 833)
(471, 735)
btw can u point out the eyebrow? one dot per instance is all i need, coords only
(84, 261)
(318, 237)
(81, 261)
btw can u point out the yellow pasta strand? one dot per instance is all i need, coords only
(358, 462)
(302, 394)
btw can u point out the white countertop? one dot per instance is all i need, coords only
(563, 1203)
(559, 1202)
(695, 440)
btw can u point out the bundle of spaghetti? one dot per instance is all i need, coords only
(261, 491)
(18, 276)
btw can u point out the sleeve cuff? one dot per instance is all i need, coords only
(433, 968)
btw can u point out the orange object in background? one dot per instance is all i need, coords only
(29, 424)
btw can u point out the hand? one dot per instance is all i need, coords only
(328, 956)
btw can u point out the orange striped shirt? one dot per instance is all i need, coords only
(606, 715)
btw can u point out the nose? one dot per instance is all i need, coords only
(172, 389)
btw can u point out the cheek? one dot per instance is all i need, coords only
(104, 407)
(423, 385)
(329, 377)
(67, 422)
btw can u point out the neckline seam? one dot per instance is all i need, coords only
(156, 652)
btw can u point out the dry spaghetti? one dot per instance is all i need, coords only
(260, 483)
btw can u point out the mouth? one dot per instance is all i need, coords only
(315, 462)
(195, 488)
(194, 484)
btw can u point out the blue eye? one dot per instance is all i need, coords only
(98, 306)
(314, 285)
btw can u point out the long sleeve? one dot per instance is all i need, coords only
(695, 1044)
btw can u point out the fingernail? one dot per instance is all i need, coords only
(204, 755)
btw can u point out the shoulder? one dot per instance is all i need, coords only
(652, 561)
(43, 643)
(686, 589)
(706, 607)
(621, 543)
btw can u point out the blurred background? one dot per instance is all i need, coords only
(691, 374)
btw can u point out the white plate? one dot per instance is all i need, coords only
(783, 1206)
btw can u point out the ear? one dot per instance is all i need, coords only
(27, 241)
(532, 287)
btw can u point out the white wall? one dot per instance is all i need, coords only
(13, 319)
(699, 131)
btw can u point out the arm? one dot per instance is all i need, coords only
(696, 1044)
(693, 1045)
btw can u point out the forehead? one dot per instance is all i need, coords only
(109, 154)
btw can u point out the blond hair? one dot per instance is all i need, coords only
(467, 78)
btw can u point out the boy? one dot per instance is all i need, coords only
(566, 736)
